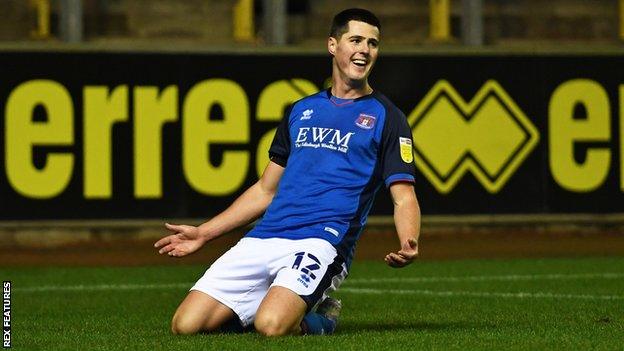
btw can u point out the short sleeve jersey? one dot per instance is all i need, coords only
(337, 154)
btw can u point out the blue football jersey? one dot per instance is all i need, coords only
(337, 154)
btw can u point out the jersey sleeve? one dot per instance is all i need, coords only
(397, 149)
(280, 147)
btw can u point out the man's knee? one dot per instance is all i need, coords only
(183, 324)
(280, 313)
(271, 325)
(199, 313)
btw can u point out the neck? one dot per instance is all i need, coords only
(348, 89)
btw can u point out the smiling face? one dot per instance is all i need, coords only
(355, 53)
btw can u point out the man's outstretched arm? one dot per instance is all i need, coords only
(407, 222)
(245, 209)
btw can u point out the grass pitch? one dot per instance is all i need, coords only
(533, 304)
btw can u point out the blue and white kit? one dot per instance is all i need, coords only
(337, 153)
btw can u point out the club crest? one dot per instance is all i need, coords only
(365, 121)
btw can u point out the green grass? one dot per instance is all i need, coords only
(496, 304)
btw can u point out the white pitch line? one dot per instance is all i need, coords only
(187, 285)
(109, 287)
(101, 287)
(484, 278)
(521, 295)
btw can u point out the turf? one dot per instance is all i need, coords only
(547, 304)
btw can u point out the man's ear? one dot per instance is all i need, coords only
(331, 45)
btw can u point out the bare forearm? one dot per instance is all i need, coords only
(407, 218)
(247, 208)
(407, 222)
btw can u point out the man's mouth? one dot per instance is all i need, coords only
(359, 62)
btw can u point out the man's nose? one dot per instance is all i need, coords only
(365, 49)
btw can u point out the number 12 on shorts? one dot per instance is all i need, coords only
(306, 270)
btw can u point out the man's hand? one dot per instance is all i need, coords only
(184, 240)
(405, 256)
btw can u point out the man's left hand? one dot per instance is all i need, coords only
(405, 256)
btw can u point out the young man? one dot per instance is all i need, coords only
(331, 153)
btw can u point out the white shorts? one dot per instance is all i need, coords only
(241, 278)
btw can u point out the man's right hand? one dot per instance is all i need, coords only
(184, 240)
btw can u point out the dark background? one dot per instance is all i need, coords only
(405, 79)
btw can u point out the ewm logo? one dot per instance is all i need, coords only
(488, 136)
(327, 138)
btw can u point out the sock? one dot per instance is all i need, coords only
(316, 324)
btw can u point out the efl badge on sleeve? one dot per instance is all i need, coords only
(406, 150)
(365, 121)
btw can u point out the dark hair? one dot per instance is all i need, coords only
(340, 24)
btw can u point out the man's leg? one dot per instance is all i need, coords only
(280, 313)
(199, 312)
(309, 269)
